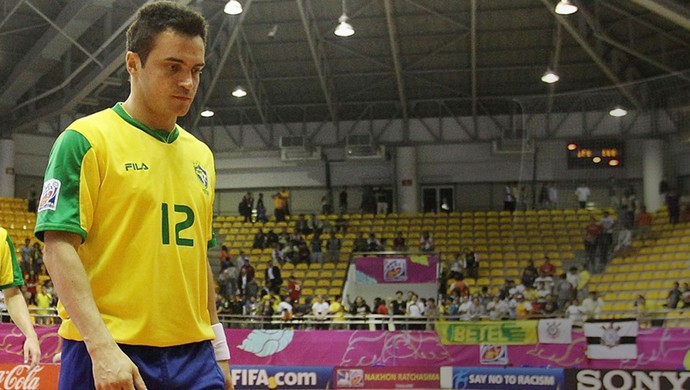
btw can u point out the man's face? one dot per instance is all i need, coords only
(168, 82)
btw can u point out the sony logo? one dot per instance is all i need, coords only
(631, 380)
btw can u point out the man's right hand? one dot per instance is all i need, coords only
(113, 369)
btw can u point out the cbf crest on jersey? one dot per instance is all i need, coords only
(49, 196)
(202, 176)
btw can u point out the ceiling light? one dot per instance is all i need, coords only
(565, 7)
(239, 92)
(207, 113)
(344, 29)
(233, 7)
(550, 77)
(618, 112)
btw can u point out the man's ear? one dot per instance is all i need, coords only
(133, 62)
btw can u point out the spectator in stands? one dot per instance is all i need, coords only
(224, 258)
(316, 245)
(476, 310)
(273, 277)
(572, 276)
(591, 240)
(553, 196)
(360, 243)
(582, 194)
(302, 225)
(43, 303)
(575, 312)
(294, 289)
(426, 242)
(582, 283)
(278, 207)
(471, 264)
(550, 307)
(246, 206)
(303, 254)
(529, 274)
(399, 305)
(674, 296)
(259, 240)
(459, 288)
(607, 224)
(523, 307)
(271, 238)
(648, 312)
(241, 260)
(277, 256)
(414, 312)
(337, 311)
(314, 225)
(509, 199)
(623, 247)
(374, 244)
(673, 206)
(319, 309)
(592, 306)
(563, 290)
(326, 204)
(432, 313)
(547, 268)
(341, 224)
(37, 258)
(544, 285)
(333, 246)
(359, 307)
(285, 196)
(285, 309)
(227, 280)
(25, 253)
(457, 265)
(267, 312)
(342, 200)
(399, 243)
(32, 199)
(247, 273)
(497, 309)
(261, 213)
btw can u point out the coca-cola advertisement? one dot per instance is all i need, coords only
(20, 377)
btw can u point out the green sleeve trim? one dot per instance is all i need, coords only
(64, 165)
(162, 135)
(212, 243)
(17, 276)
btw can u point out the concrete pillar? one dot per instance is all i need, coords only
(6, 168)
(407, 185)
(652, 172)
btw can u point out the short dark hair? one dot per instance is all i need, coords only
(154, 18)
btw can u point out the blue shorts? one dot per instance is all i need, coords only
(184, 367)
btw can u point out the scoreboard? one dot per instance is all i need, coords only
(595, 154)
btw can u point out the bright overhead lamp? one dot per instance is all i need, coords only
(344, 29)
(550, 77)
(239, 92)
(207, 113)
(233, 7)
(618, 112)
(565, 7)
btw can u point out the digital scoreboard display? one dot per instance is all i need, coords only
(593, 154)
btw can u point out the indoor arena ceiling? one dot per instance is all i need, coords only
(407, 58)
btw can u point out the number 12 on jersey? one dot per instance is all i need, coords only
(179, 227)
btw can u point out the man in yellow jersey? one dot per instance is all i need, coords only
(126, 216)
(11, 278)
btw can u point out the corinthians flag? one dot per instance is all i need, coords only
(615, 339)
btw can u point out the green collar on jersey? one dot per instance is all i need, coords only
(164, 136)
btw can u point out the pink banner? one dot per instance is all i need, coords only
(660, 348)
(397, 269)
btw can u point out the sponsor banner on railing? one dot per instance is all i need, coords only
(487, 332)
(483, 378)
(18, 376)
(591, 379)
(387, 377)
(399, 269)
(282, 377)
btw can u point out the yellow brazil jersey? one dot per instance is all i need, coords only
(142, 201)
(10, 272)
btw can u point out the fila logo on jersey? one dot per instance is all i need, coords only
(136, 167)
